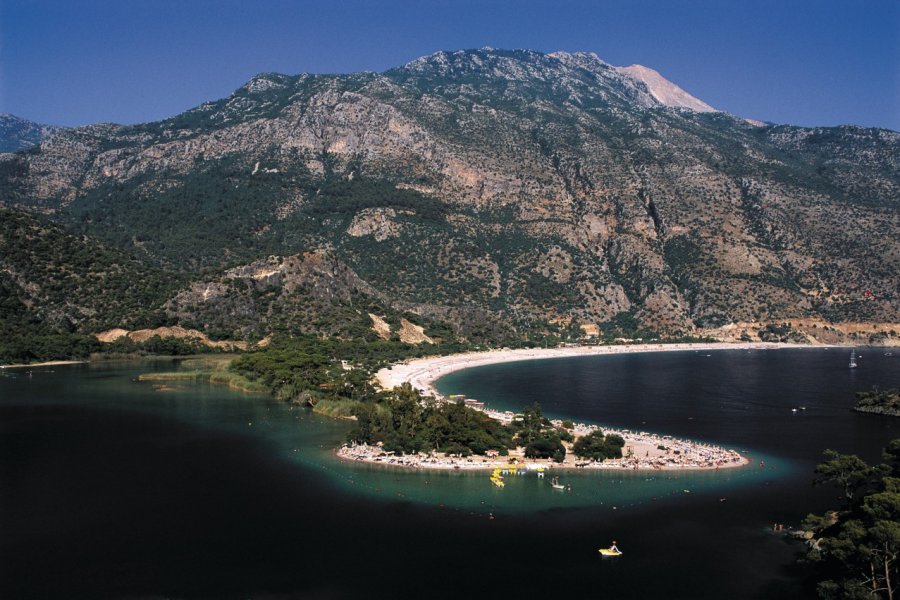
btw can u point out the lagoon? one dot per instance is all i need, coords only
(115, 488)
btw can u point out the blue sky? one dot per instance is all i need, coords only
(73, 62)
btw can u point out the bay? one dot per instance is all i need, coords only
(114, 488)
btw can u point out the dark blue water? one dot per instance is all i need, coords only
(739, 398)
(109, 488)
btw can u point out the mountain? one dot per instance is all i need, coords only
(665, 92)
(55, 285)
(17, 134)
(72, 282)
(491, 192)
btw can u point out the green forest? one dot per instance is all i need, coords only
(57, 288)
(855, 549)
(334, 376)
(885, 402)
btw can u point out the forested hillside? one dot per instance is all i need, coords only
(494, 195)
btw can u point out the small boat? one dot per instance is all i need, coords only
(608, 552)
(853, 359)
(497, 479)
(557, 485)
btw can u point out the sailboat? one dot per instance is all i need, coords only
(853, 359)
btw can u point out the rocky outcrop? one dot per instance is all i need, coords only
(380, 223)
(380, 327)
(813, 331)
(877, 410)
(142, 335)
(410, 333)
(663, 90)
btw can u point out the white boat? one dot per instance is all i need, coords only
(557, 485)
(853, 359)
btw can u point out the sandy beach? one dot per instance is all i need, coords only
(422, 373)
(643, 450)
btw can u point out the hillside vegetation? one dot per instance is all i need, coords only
(486, 195)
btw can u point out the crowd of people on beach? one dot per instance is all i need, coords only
(651, 451)
(644, 451)
(376, 454)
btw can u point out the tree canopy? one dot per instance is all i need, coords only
(406, 423)
(857, 549)
(597, 446)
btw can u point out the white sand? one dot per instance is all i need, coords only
(646, 450)
(422, 373)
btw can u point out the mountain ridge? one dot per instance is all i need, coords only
(666, 92)
(17, 133)
(547, 191)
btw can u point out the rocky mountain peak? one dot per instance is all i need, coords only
(581, 74)
(513, 65)
(584, 60)
(666, 92)
(266, 81)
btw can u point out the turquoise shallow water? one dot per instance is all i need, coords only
(112, 488)
(606, 490)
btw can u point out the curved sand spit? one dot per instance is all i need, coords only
(423, 372)
(644, 450)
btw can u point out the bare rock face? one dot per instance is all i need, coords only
(411, 333)
(380, 326)
(495, 190)
(814, 331)
(111, 335)
(142, 335)
(666, 92)
(408, 332)
(377, 222)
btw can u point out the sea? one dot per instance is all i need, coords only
(115, 488)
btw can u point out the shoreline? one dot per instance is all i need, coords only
(99, 358)
(422, 373)
(644, 451)
(645, 455)
(49, 363)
